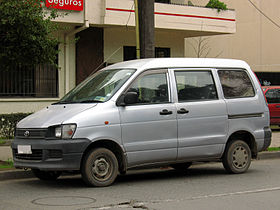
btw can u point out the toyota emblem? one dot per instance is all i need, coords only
(26, 134)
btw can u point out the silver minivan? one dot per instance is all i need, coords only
(149, 112)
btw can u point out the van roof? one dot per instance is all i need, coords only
(180, 62)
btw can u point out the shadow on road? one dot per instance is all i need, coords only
(135, 177)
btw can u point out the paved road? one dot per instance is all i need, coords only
(204, 186)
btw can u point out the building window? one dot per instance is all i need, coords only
(162, 1)
(129, 52)
(161, 52)
(268, 78)
(29, 81)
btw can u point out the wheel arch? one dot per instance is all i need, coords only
(247, 137)
(113, 147)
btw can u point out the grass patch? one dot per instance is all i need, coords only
(2, 141)
(271, 149)
(6, 164)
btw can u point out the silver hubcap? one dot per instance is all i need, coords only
(101, 168)
(240, 157)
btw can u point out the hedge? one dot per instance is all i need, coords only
(8, 123)
(216, 4)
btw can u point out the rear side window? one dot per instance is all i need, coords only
(273, 96)
(236, 84)
(195, 86)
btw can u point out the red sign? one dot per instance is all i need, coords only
(77, 5)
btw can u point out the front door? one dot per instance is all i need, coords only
(202, 116)
(149, 127)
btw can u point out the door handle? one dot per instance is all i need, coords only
(182, 111)
(165, 112)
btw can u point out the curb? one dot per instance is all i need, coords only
(268, 155)
(15, 174)
(22, 174)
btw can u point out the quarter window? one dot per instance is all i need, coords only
(151, 88)
(236, 84)
(195, 86)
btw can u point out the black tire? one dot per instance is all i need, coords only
(46, 175)
(99, 167)
(181, 166)
(237, 157)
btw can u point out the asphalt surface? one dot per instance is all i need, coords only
(205, 186)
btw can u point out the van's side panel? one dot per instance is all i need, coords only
(202, 131)
(248, 113)
(147, 136)
(149, 126)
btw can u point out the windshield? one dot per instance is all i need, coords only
(99, 87)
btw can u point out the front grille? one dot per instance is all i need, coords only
(37, 154)
(31, 133)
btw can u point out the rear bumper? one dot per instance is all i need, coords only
(50, 154)
(267, 138)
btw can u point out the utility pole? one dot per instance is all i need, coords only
(146, 27)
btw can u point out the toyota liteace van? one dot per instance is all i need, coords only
(149, 112)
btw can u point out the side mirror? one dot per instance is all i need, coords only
(127, 98)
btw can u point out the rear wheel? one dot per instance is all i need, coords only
(99, 167)
(237, 157)
(181, 166)
(46, 175)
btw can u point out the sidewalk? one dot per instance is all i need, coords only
(275, 138)
(6, 154)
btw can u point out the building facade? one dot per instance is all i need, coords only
(255, 41)
(102, 32)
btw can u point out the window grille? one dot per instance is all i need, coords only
(39, 81)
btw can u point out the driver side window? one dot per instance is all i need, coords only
(151, 88)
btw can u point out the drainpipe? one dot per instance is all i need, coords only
(67, 37)
(137, 29)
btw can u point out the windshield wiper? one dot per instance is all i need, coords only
(63, 102)
(90, 101)
(76, 102)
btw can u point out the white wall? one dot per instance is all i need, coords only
(117, 37)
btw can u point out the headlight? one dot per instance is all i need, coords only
(65, 131)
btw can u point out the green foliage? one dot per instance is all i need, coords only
(26, 33)
(6, 164)
(8, 123)
(216, 4)
(2, 141)
(273, 149)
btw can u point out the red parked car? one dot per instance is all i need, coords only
(272, 94)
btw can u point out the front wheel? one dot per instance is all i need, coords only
(46, 175)
(99, 167)
(237, 157)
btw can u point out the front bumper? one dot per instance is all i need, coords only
(50, 154)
